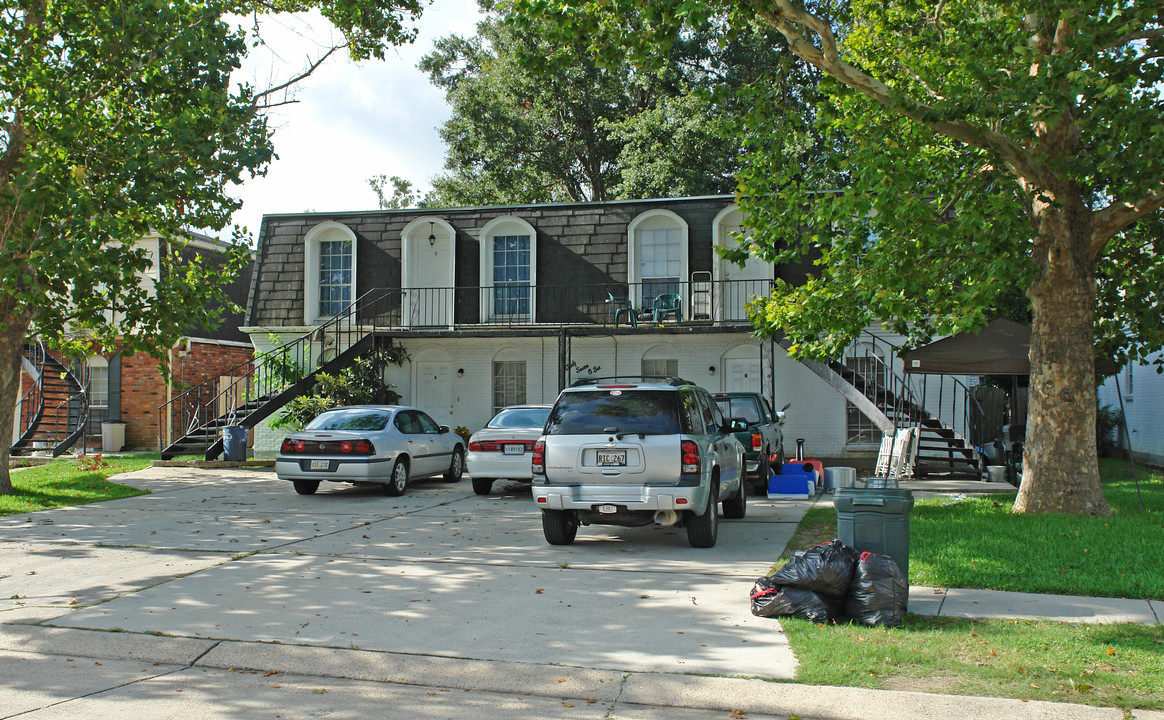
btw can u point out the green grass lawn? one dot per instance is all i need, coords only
(979, 543)
(69, 481)
(976, 542)
(1110, 665)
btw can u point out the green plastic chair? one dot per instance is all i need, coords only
(664, 305)
(623, 307)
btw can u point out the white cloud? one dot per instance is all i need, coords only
(352, 121)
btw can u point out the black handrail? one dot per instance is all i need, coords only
(267, 374)
(32, 403)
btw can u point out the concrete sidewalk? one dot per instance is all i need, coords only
(983, 604)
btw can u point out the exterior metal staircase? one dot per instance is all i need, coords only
(251, 392)
(56, 407)
(884, 395)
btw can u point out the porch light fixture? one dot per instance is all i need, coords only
(711, 369)
(431, 236)
(460, 371)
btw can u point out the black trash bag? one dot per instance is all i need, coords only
(879, 593)
(772, 600)
(826, 569)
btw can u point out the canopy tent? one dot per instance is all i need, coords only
(1001, 347)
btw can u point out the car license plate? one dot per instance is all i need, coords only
(513, 449)
(607, 509)
(611, 458)
(320, 464)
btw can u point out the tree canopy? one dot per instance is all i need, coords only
(984, 145)
(535, 118)
(117, 121)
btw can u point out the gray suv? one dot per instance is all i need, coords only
(632, 452)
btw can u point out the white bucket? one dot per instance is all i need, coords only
(996, 473)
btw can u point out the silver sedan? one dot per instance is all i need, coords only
(502, 448)
(370, 444)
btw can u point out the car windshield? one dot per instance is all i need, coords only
(520, 418)
(745, 408)
(350, 420)
(650, 412)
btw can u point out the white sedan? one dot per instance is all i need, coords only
(502, 448)
(370, 444)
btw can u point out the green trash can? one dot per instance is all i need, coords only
(875, 520)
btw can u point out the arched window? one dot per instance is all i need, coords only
(657, 256)
(508, 269)
(660, 360)
(329, 278)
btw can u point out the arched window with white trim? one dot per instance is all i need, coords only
(329, 277)
(508, 269)
(657, 256)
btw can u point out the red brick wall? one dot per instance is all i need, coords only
(143, 392)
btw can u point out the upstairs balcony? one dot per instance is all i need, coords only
(654, 302)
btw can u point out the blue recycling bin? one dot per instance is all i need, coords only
(234, 442)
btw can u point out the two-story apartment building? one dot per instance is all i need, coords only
(502, 305)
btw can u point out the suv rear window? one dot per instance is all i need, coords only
(650, 412)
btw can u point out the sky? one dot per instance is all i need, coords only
(352, 121)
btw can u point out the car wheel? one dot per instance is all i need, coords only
(456, 466)
(559, 526)
(398, 480)
(702, 530)
(482, 486)
(736, 507)
(306, 487)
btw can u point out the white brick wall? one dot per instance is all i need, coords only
(815, 411)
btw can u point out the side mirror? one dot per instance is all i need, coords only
(780, 416)
(737, 424)
(443, 429)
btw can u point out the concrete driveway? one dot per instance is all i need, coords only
(440, 571)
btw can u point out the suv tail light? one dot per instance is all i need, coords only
(538, 459)
(690, 456)
(757, 440)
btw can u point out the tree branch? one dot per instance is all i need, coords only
(311, 68)
(1117, 217)
(792, 22)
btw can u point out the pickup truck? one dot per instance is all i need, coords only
(757, 427)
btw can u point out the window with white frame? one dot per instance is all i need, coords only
(511, 291)
(335, 277)
(98, 389)
(329, 272)
(509, 269)
(657, 256)
(508, 383)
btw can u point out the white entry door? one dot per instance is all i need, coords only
(434, 391)
(743, 375)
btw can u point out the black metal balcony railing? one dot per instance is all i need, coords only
(512, 304)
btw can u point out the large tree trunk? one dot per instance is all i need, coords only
(13, 331)
(1060, 466)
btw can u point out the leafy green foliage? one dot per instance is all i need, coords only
(537, 117)
(360, 383)
(120, 122)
